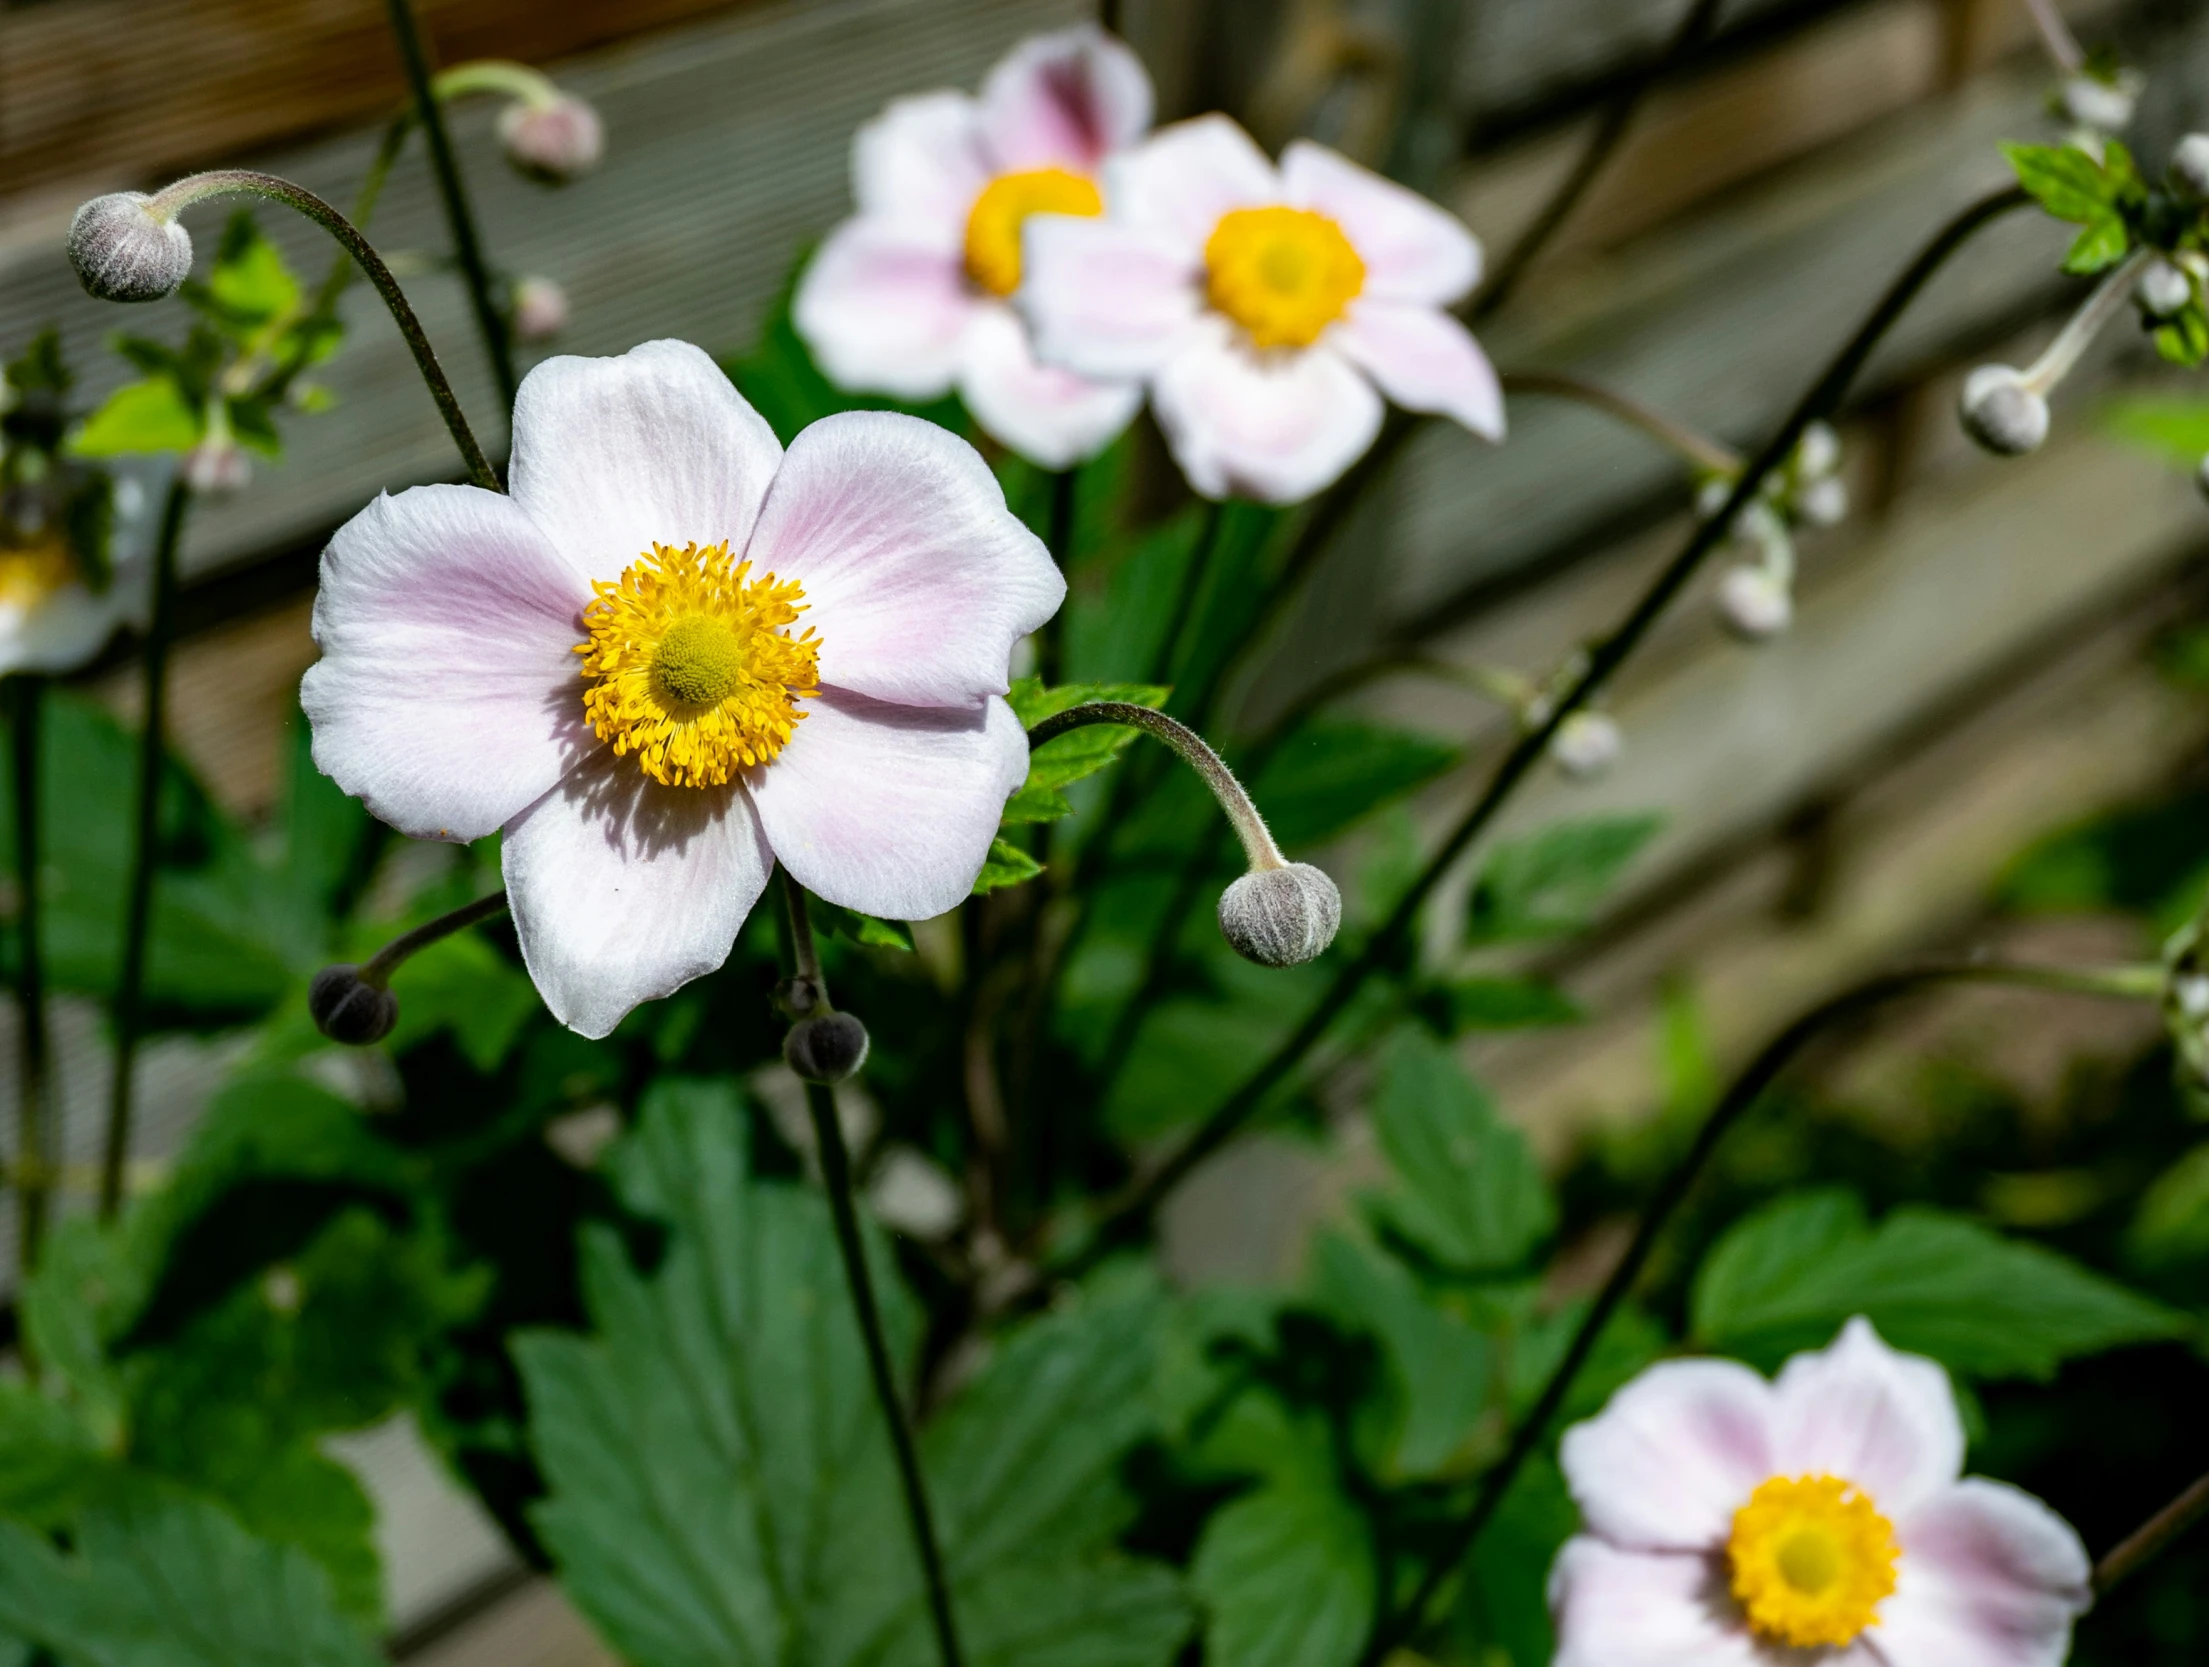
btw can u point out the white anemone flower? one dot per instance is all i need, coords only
(51, 620)
(912, 295)
(608, 666)
(1736, 1522)
(1268, 309)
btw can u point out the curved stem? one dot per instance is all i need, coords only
(1694, 27)
(406, 28)
(387, 960)
(2152, 1536)
(494, 75)
(2055, 34)
(130, 984)
(2083, 326)
(1250, 827)
(1703, 452)
(828, 1136)
(1823, 395)
(224, 182)
(2127, 983)
(35, 1055)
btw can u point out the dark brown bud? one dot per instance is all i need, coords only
(828, 1047)
(349, 1009)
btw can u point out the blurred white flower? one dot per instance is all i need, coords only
(1586, 744)
(912, 295)
(51, 620)
(1755, 602)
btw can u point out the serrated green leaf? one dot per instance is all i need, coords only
(1287, 1576)
(160, 1580)
(863, 929)
(2103, 243)
(1007, 865)
(147, 416)
(1035, 804)
(721, 1485)
(1472, 1195)
(250, 280)
(1789, 1276)
(2065, 181)
(1068, 758)
(1332, 774)
(1551, 883)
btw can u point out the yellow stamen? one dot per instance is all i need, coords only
(695, 673)
(1283, 274)
(993, 224)
(1811, 1560)
(30, 573)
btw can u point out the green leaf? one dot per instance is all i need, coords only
(51, 1464)
(249, 280)
(1473, 1196)
(163, 1581)
(2172, 1225)
(1551, 883)
(721, 1484)
(147, 416)
(2177, 426)
(864, 929)
(1332, 774)
(1493, 1003)
(1007, 865)
(1787, 1277)
(2065, 181)
(1286, 1576)
(2184, 340)
(1501, 1618)
(2103, 243)
(1080, 752)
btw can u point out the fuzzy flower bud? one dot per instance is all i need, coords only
(2002, 413)
(1824, 503)
(1281, 917)
(2190, 163)
(1754, 603)
(122, 252)
(2105, 106)
(828, 1047)
(553, 141)
(217, 467)
(1818, 452)
(540, 309)
(1586, 744)
(2162, 289)
(349, 1009)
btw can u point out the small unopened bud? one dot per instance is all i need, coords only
(1281, 917)
(2105, 106)
(1818, 452)
(540, 309)
(1586, 744)
(1824, 503)
(1711, 495)
(2001, 413)
(349, 1009)
(828, 1047)
(1755, 603)
(217, 467)
(2190, 163)
(554, 141)
(123, 252)
(2162, 289)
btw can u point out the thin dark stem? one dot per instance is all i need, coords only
(2152, 1536)
(828, 1136)
(1605, 140)
(35, 1056)
(453, 190)
(1382, 947)
(1183, 618)
(1698, 449)
(1739, 1098)
(246, 182)
(145, 855)
(394, 954)
(1059, 537)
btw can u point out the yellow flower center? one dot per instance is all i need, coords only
(1283, 274)
(694, 670)
(1811, 1560)
(993, 224)
(30, 573)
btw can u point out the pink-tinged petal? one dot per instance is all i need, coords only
(917, 577)
(919, 166)
(1858, 1410)
(1050, 416)
(1616, 1608)
(1673, 1456)
(1104, 299)
(890, 809)
(614, 455)
(1413, 250)
(449, 694)
(624, 890)
(1424, 360)
(1182, 178)
(1067, 99)
(883, 314)
(1274, 426)
(1989, 1577)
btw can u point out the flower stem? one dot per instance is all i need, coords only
(380, 966)
(130, 984)
(34, 1057)
(2055, 34)
(828, 1136)
(245, 182)
(2124, 983)
(1250, 827)
(406, 28)
(1697, 449)
(1135, 1204)
(2107, 298)
(2152, 1536)
(1059, 538)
